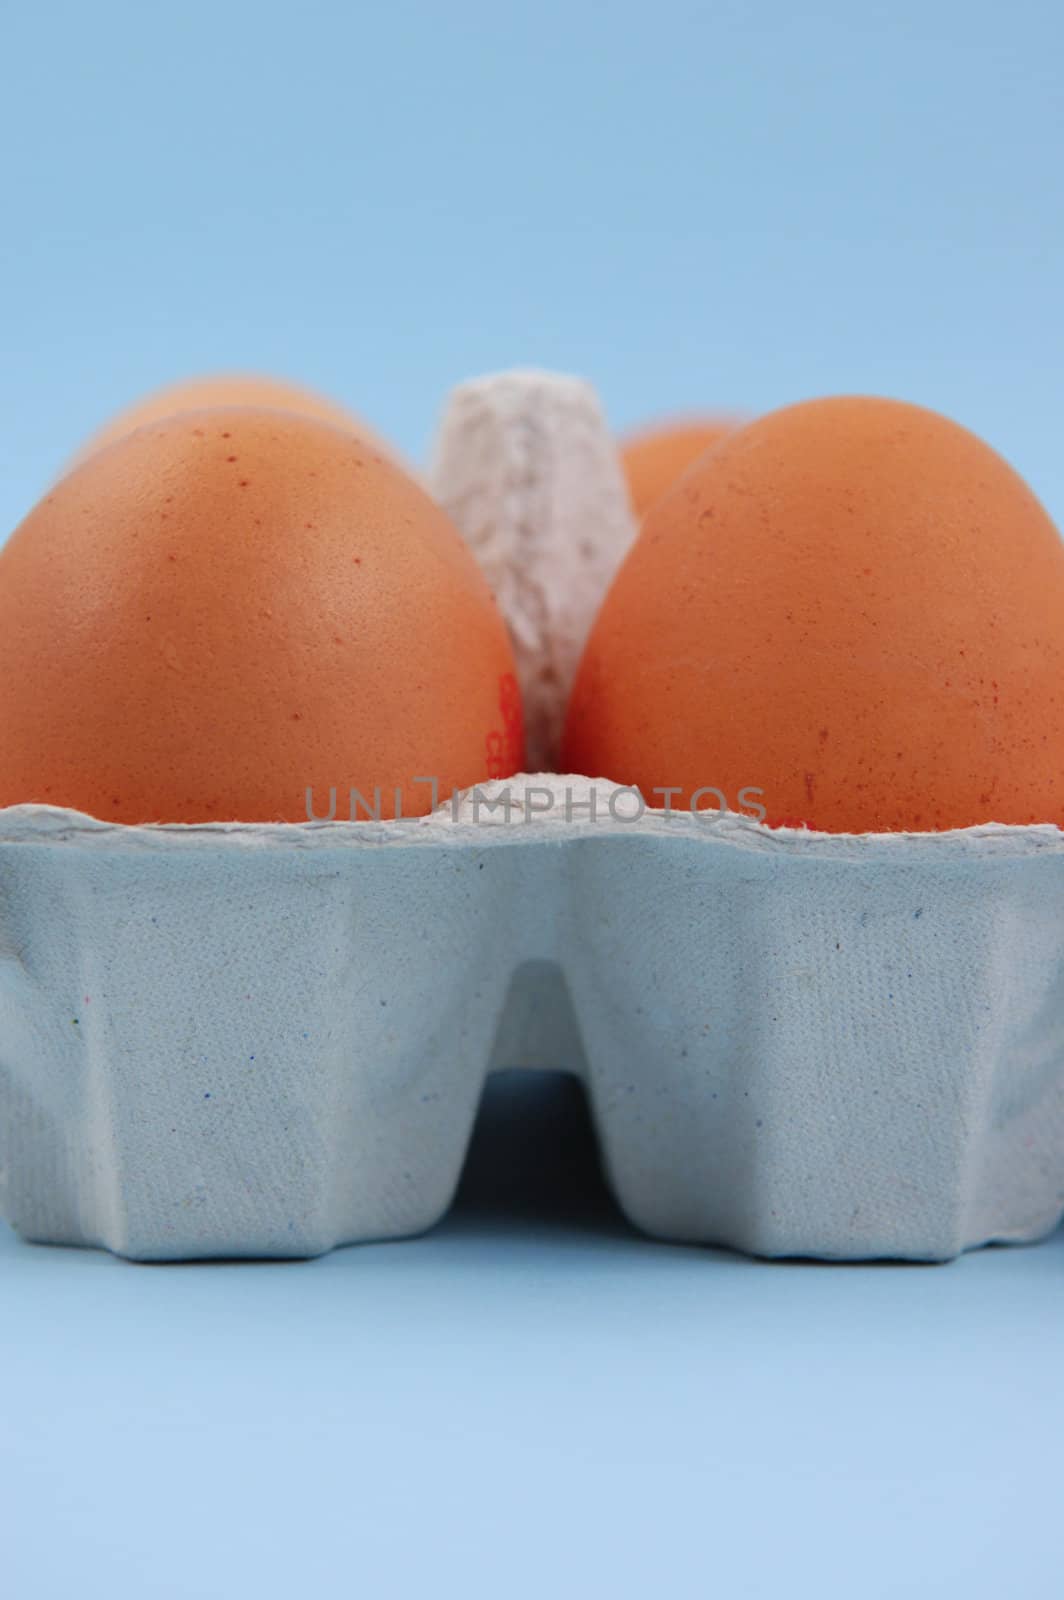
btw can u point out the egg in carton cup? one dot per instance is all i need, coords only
(268, 1039)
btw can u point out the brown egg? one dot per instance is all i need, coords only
(653, 460)
(852, 606)
(231, 606)
(227, 389)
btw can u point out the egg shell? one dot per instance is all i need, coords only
(226, 389)
(223, 610)
(852, 605)
(654, 459)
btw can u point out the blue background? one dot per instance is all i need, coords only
(734, 204)
(726, 205)
(531, 1402)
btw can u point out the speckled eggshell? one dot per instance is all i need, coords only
(226, 608)
(654, 458)
(225, 389)
(852, 605)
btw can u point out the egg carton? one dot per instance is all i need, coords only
(267, 1040)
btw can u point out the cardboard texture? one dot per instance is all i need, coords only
(247, 1040)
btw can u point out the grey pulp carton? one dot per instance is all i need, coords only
(267, 1040)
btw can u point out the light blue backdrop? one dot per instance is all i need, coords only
(719, 204)
(727, 203)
